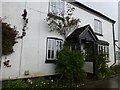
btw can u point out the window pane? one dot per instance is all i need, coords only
(95, 25)
(49, 44)
(98, 26)
(99, 49)
(53, 46)
(48, 54)
(57, 7)
(52, 54)
(108, 50)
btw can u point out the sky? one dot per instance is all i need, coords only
(106, 7)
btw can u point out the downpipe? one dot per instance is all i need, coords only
(114, 46)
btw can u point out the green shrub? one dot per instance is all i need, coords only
(42, 84)
(116, 69)
(8, 38)
(14, 84)
(102, 69)
(70, 65)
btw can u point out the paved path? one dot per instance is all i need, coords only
(110, 83)
(0, 85)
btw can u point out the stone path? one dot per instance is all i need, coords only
(112, 83)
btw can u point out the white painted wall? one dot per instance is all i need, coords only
(30, 52)
(88, 18)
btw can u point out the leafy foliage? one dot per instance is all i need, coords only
(14, 84)
(62, 24)
(70, 64)
(8, 38)
(116, 69)
(102, 69)
(42, 83)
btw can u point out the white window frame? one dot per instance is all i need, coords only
(53, 46)
(57, 7)
(104, 49)
(98, 26)
(117, 55)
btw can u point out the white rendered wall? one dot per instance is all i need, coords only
(88, 18)
(30, 53)
(33, 45)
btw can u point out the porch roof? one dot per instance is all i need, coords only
(101, 42)
(84, 32)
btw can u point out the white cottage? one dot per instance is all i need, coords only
(34, 54)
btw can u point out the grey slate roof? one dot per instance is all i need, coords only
(79, 31)
(86, 32)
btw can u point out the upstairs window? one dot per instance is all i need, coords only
(57, 7)
(53, 46)
(98, 26)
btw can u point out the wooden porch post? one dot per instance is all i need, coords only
(79, 44)
(94, 57)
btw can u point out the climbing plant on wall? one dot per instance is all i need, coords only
(8, 38)
(63, 24)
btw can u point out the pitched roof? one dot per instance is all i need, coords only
(101, 42)
(88, 9)
(77, 33)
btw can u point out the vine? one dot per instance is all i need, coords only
(63, 24)
(25, 22)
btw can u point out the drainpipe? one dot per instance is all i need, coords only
(114, 46)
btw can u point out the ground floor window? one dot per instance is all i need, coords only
(117, 55)
(103, 49)
(53, 46)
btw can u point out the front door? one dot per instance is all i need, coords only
(88, 47)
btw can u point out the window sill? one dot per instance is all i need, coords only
(50, 61)
(98, 34)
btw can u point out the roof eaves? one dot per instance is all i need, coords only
(86, 8)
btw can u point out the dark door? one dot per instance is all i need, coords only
(88, 47)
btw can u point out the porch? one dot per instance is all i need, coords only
(85, 40)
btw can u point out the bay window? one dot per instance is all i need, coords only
(104, 49)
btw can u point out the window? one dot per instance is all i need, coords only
(57, 7)
(103, 49)
(53, 46)
(98, 26)
(117, 55)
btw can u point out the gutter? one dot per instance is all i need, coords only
(114, 46)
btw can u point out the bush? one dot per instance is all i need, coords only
(102, 69)
(42, 83)
(8, 38)
(14, 84)
(116, 69)
(70, 65)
